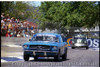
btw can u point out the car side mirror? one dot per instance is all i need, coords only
(30, 40)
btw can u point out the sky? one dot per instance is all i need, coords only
(36, 3)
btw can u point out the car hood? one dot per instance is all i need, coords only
(41, 43)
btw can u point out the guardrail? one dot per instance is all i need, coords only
(14, 40)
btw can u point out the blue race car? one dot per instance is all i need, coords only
(45, 45)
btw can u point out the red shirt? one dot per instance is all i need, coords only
(8, 35)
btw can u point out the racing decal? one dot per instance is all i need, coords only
(93, 43)
(69, 41)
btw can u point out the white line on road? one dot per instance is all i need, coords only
(12, 45)
(21, 57)
(15, 58)
(94, 49)
(3, 60)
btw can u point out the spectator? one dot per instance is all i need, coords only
(8, 19)
(26, 34)
(23, 33)
(2, 16)
(32, 31)
(8, 34)
(15, 21)
(15, 34)
(18, 35)
(3, 33)
(18, 21)
(11, 26)
(7, 16)
(12, 33)
(22, 24)
(3, 21)
(12, 20)
(32, 28)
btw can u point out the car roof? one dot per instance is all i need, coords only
(48, 34)
(79, 35)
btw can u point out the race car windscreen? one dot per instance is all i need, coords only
(80, 37)
(46, 38)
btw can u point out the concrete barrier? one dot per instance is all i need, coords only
(14, 40)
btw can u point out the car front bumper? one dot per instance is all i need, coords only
(79, 45)
(40, 53)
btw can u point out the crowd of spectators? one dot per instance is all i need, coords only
(12, 27)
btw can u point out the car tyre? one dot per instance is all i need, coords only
(73, 47)
(26, 57)
(57, 58)
(64, 57)
(87, 47)
(35, 58)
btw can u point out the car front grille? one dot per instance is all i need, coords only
(40, 47)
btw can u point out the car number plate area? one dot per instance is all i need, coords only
(38, 53)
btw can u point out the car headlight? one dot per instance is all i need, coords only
(85, 42)
(25, 46)
(54, 48)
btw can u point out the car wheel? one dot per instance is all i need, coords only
(26, 57)
(35, 58)
(73, 47)
(87, 47)
(64, 57)
(57, 58)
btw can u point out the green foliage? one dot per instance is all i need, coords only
(33, 12)
(19, 9)
(6, 7)
(58, 15)
(14, 9)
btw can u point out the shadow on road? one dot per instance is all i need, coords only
(47, 60)
(79, 49)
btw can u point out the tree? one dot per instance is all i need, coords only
(64, 15)
(6, 7)
(33, 12)
(21, 10)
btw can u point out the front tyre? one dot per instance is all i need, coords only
(64, 57)
(87, 47)
(35, 57)
(26, 57)
(57, 58)
(73, 47)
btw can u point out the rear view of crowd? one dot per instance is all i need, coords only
(12, 27)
